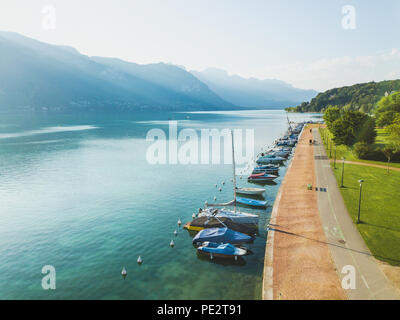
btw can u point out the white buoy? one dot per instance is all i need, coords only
(171, 244)
(215, 198)
(216, 185)
(175, 232)
(220, 189)
(179, 222)
(123, 272)
(235, 258)
(223, 182)
(193, 215)
(139, 260)
(211, 256)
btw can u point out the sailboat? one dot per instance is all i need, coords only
(238, 217)
(233, 214)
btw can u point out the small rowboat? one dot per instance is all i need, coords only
(250, 191)
(224, 250)
(252, 202)
(262, 177)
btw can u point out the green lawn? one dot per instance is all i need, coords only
(343, 151)
(380, 208)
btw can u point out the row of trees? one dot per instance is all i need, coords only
(349, 127)
(356, 130)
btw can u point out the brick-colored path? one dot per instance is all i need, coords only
(298, 263)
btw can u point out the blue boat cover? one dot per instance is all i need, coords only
(251, 202)
(221, 235)
(225, 248)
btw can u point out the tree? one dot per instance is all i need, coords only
(394, 135)
(389, 151)
(367, 131)
(386, 118)
(388, 109)
(361, 150)
(331, 115)
(346, 129)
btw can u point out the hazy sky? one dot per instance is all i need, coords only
(300, 41)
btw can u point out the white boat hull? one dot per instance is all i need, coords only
(251, 191)
(238, 217)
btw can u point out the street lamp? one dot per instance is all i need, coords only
(359, 202)
(343, 159)
(334, 165)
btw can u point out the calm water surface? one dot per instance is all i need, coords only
(77, 193)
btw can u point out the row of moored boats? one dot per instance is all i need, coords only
(222, 232)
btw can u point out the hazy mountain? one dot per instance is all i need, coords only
(253, 92)
(35, 75)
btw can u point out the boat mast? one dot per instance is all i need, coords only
(290, 127)
(234, 172)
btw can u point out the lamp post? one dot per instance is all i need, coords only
(359, 202)
(343, 159)
(334, 163)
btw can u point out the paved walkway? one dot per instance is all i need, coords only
(346, 245)
(298, 262)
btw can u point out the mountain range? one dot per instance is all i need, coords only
(252, 92)
(40, 76)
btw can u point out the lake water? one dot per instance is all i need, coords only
(77, 192)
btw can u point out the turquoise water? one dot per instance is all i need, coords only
(77, 193)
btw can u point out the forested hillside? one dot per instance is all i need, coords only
(363, 97)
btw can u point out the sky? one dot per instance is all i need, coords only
(311, 44)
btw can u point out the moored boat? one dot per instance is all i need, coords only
(238, 217)
(201, 223)
(224, 250)
(251, 191)
(221, 235)
(252, 202)
(270, 159)
(261, 177)
(269, 168)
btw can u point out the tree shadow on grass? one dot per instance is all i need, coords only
(349, 188)
(382, 227)
(397, 261)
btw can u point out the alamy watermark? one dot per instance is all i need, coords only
(204, 146)
(349, 280)
(49, 280)
(49, 17)
(349, 21)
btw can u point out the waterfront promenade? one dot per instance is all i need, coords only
(312, 241)
(298, 262)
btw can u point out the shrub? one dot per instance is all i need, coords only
(362, 150)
